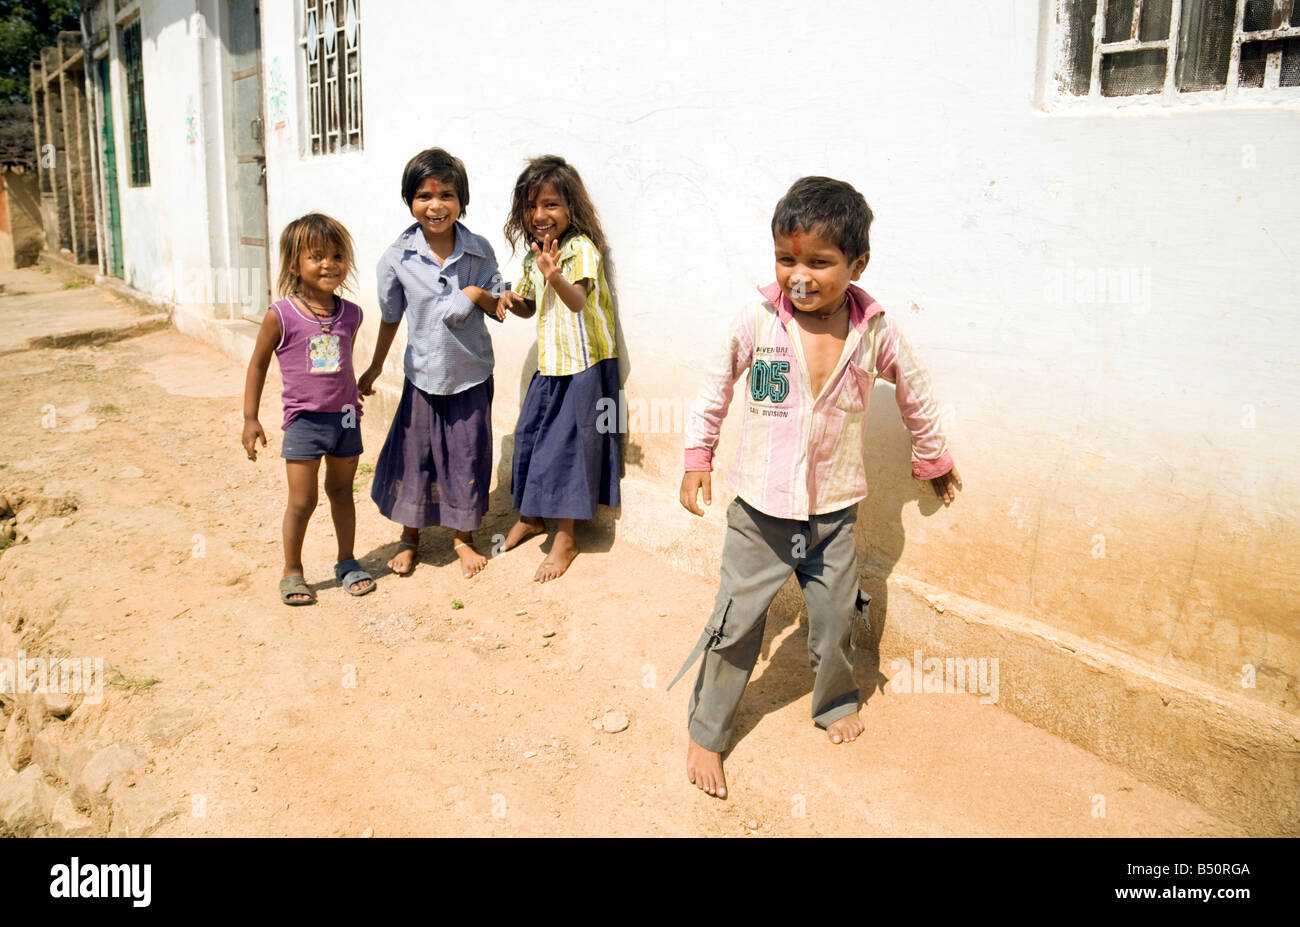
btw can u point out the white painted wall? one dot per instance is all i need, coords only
(167, 225)
(1157, 430)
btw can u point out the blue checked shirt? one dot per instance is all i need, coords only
(448, 348)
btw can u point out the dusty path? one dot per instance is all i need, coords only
(399, 713)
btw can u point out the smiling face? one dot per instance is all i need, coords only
(436, 206)
(813, 272)
(547, 214)
(322, 268)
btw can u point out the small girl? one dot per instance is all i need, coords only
(436, 466)
(566, 461)
(310, 330)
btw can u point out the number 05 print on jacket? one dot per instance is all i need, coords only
(801, 454)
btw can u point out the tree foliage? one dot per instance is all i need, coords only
(27, 26)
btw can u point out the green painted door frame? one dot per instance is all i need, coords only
(112, 209)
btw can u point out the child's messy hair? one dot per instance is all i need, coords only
(439, 165)
(828, 207)
(314, 231)
(554, 170)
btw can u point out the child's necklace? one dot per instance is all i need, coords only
(326, 321)
(834, 312)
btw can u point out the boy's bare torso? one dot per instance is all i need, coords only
(822, 341)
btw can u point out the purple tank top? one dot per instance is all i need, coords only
(315, 364)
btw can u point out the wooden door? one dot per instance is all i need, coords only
(251, 285)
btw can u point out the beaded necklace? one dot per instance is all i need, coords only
(326, 321)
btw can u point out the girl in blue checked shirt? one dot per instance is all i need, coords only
(436, 465)
(567, 457)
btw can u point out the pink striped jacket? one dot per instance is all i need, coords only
(801, 454)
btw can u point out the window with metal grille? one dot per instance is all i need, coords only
(1116, 48)
(331, 44)
(137, 130)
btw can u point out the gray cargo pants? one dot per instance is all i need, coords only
(758, 556)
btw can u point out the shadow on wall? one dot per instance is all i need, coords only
(23, 195)
(631, 452)
(891, 488)
(880, 538)
(501, 507)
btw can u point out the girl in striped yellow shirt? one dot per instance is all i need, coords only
(567, 458)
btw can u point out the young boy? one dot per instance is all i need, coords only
(813, 346)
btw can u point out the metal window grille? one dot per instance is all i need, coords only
(331, 44)
(1119, 48)
(137, 129)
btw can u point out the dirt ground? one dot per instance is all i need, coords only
(157, 548)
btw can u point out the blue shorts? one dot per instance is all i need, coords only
(312, 435)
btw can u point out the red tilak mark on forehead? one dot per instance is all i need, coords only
(794, 241)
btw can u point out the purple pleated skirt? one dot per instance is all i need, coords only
(568, 458)
(436, 465)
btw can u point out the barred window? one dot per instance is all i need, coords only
(137, 130)
(1115, 48)
(331, 44)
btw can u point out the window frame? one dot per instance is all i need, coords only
(137, 123)
(1055, 92)
(332, 108)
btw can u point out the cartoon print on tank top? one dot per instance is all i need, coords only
(323, 354)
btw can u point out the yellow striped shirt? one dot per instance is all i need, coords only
(569, 342)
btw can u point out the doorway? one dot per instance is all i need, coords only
(251, 286)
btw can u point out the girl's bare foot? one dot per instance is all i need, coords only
(704, 769)
(562, 553)
(521, 530)
(408, 551)
(471, 561)
(846, 729)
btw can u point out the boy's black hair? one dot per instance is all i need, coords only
(829, 207)
(442, 167)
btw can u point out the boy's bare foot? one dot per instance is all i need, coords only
(408, 551)
(704, 769)
(471, 561)
(846, 729)
(521, 530)
(557, 561)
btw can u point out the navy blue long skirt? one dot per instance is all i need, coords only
(436, 466)
(568, 457)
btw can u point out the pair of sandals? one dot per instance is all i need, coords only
(346, 573)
